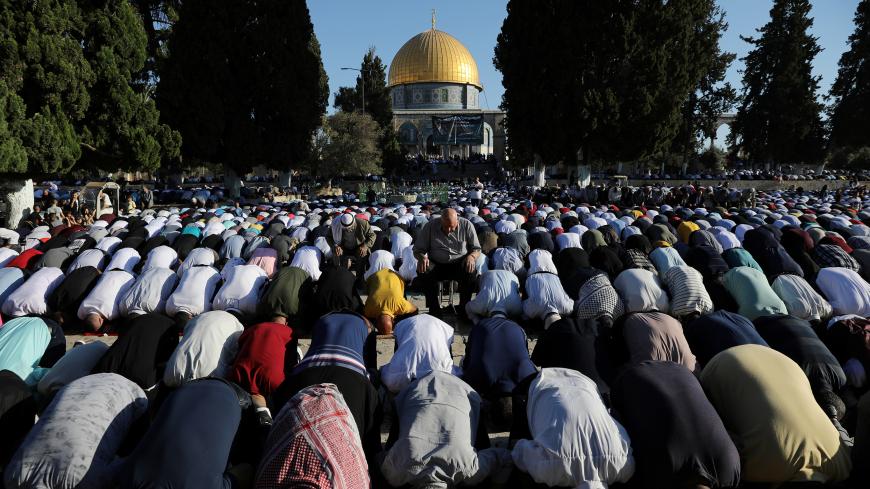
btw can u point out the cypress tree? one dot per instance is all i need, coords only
(254, 93)
(779, 118)
(850, 110)
(608, 80)
(378, 105)
(711, 97)
(68, 94)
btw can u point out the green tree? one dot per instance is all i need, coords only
(158, 17)
(66, 91)
(377, 103)
(850, 110)
(121, 128)
(711, 98)
(254, 94)
(606, 83)
(779, 118)
(352, 145)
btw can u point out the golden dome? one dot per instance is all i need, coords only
(433, 56)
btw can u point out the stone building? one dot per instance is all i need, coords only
(434, 77)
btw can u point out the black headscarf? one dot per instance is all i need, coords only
(713, 333)
(575, 344)
(184, 244)
(151, 244)
(215, 242)
(773, 259)
(606, 260)
(639, 242)
(569, 260)
(796, 339)
(541, 241)
(706, 260)
(281, 244)
(141, 351)
(335, 291)
(66, 297)
(798, 244)
(676, 433)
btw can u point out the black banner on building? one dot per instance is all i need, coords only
(457, 129)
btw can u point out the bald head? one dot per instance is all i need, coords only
(449, 221)
(384, 324)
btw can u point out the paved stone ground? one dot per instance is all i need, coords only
(385, 346)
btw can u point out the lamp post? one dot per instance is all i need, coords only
(363, 78)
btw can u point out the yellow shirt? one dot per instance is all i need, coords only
(386, 295)
(765, 401)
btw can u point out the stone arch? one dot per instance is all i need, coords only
(409, 133)
(488, 133)
(724, 120)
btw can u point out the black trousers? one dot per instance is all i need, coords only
(356, 264)
(447, 271)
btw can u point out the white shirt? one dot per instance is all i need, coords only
(847, 292)
(568, 240)
(575, 442)
(499, 291)
(641, 291)
(423, 344)
(399, 241)
(88, 258)
(7, 255)
(546, 295)
(800, 299)
(155, 226)
(215, 226)
(160, 257)
(149, 293)
(207, 349)
(124, 259)
(106, 295)
(241, 290)
(308, 259)
(109, 244)
(197, 256)
(194, 292)
(32, 297)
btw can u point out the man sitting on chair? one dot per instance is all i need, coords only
(447, 249)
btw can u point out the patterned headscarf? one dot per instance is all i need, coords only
(314, 442)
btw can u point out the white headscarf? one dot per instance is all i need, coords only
(378, 261)
(308, 259)
(541, 261)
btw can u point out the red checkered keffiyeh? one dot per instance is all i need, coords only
(314, 443)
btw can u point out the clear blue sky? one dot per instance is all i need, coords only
(346, 28)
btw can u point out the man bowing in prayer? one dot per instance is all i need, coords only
(352, 240)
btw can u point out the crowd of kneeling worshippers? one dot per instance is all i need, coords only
(676, 347)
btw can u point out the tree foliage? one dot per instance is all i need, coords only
(711, 98)
(610, 78)
(850, 110)
(254, 93)
(158, 17)
(377, 103)
(779, 118)
(351, 145)
(66, 89)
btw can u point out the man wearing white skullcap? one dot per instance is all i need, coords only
(352, 239)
